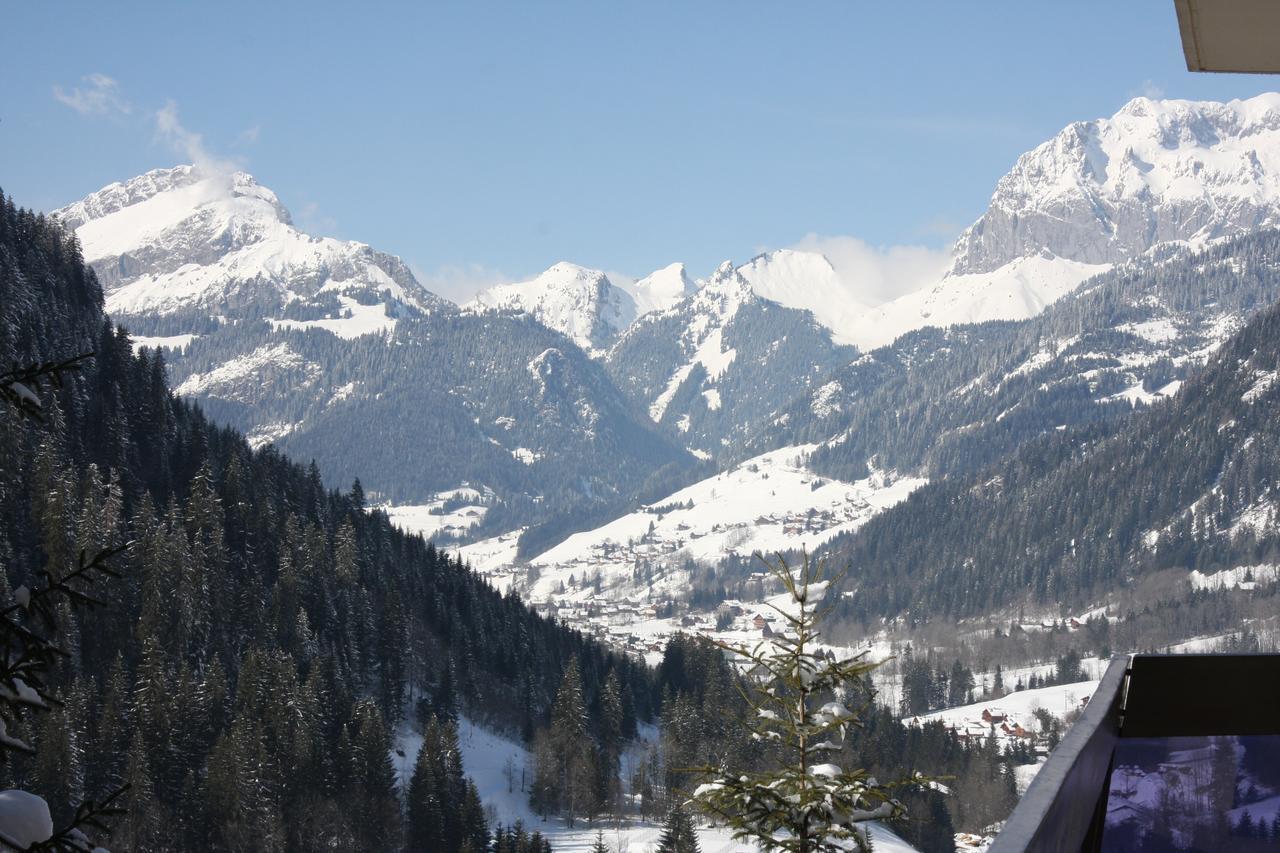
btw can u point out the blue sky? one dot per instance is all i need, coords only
(485, 141)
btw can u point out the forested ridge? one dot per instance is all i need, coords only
(773, 353)
(1190, 483)
(956, 401)
(267, 634)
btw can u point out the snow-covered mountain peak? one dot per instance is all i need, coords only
(183, 239)
(725, 289)
(723, 272)
(577, 301)
(1107, 190)
(1158, 173)
(662, 288)
(186, 187)
(808, 281)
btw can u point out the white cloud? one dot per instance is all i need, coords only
(188, 144)
(100, 96)
(459, 282)
(878, 274)
(1149, 89)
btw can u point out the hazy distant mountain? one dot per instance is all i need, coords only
(942, 402)
(807, 281)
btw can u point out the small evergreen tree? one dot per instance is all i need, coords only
(426, 806)
(565, 772)
(799, 702)
(677, 833)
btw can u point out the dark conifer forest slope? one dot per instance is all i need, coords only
(1190, 483)
(268, 633)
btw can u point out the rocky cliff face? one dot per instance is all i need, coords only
(1107, 190)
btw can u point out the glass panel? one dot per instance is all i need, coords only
(1194, 793)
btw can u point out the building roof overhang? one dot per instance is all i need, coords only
(1241, 36)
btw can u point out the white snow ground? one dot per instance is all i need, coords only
(769, 503)
(178, 342)
(430, 519)
(485, 756)
(1020, 706)
(359, 320)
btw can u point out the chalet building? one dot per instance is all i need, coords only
(1015, 730)
(970, 731)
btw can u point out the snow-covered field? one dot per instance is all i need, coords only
(178, 342)
(486, 757)
(1241, 577)
(1019, 707)
(357, 320)
(495, 559)
(1012, 717)
(431, 519)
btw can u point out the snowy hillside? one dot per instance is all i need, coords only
(1015, 710)
(1018, 290)
(1190, 477)
(768, 504)
(806, 280)
(575, 301)
(973, 394)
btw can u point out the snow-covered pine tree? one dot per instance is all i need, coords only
(799, 699)
(29, 633)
